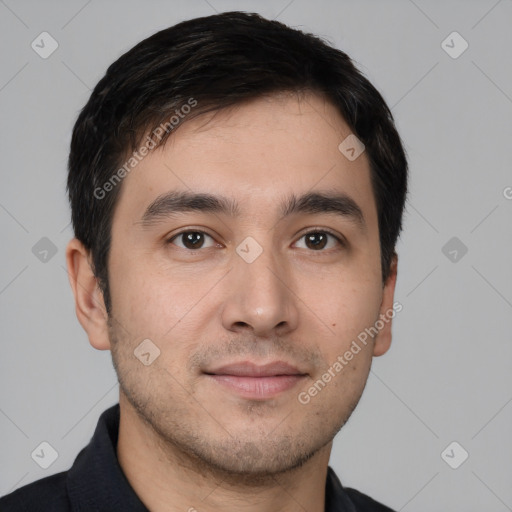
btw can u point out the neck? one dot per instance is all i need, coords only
(166, 479)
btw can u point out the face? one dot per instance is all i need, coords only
(247, 308)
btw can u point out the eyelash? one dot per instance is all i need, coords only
(340, 241)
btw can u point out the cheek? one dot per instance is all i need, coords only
(142, 300)
(359, 311)
(163, 305)
(346, 307)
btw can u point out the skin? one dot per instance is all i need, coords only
(185, 442)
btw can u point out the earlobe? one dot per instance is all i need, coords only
(383, 339)
(89, 304)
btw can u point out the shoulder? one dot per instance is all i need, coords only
(364, 503)
(47, 494)
(346, 498)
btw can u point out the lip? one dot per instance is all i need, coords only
(250, 369)
(256, 382)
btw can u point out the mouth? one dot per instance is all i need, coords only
(256, 382)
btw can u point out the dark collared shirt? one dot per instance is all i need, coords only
(96, 483)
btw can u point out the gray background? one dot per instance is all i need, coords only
(447, 377)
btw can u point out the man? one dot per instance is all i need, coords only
(237, 190)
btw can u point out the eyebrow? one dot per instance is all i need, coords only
(175, 202)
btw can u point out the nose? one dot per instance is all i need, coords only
(261, 297)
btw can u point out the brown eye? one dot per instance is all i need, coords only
(191, 239)
(319, 240)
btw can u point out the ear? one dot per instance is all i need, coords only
(89, 304)
(383, 339)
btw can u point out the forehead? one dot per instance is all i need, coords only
(255, 152)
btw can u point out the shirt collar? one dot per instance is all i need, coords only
(97, 483)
